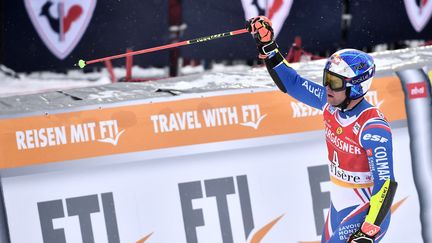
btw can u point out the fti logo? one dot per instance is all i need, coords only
(60, 23)
(79, 219)
(245, 115)
(103, 131)
(372, 97)
(419, 12)
(212, 209)
(252, 116)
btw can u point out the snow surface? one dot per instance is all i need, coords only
(21, 83)
(192, 77)
(47, 81)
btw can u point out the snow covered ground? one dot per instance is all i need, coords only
(220, 76)
(12, 83)
(21, 83)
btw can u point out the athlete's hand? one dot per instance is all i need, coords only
(261, 29)
(366, 234)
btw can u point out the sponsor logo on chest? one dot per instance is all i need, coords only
(340, 143)
(356, 128)
(349, 176)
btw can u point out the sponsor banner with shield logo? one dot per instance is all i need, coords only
(419, 13)
(60, 23)
(276, 10)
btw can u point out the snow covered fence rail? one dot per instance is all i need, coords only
(217, 157)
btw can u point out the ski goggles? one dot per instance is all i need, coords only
(335, 81)
(338, 82)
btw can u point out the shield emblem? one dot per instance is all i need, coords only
(60, 23)
(419, 12)
(276, 10)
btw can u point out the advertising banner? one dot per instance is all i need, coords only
(62, 31)
(277, 11)
(320, 28)
(388, 21)
(55, 34)
(419, 13)
(273, 190)
(227, 167)
(90, 133)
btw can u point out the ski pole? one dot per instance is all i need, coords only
(82, 63)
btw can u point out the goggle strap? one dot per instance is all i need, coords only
(364, 76)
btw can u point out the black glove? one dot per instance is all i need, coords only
(366, 234)
(261, 29)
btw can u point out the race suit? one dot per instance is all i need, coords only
(359, 144)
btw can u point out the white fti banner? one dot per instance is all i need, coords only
(271, 189)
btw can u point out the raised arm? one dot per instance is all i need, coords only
(285, 77)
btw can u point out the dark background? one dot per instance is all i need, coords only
(138, 24)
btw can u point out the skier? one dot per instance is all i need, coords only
(358, 137)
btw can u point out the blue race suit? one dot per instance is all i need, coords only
(359, 143)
